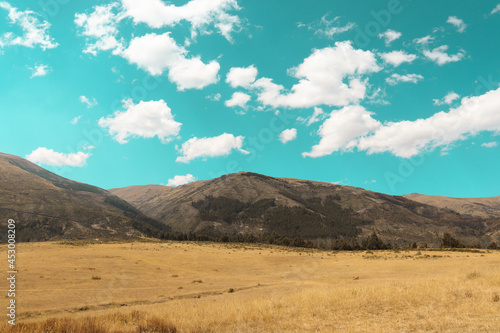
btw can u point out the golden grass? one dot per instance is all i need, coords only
(185, 287)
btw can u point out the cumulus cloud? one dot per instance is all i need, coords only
(489, 144)
(288, 135)
(199, 13)
(440, 57)
(341, 130)
(90, 102)
(46, 156)
(496, 9)
(448, 99)
(458, 23)
(397, 78)
(181, 180)
(146, 119)
(221, 145)
(241, 76)
(408, 138)
(40, 70)
(390, 36)
(101, 29)
(35, 31)
(158, 53)
(396, 58)
(329, 76)
(238, 99)
(353, 126)
(317, 115)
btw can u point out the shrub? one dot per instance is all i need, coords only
(493, 246)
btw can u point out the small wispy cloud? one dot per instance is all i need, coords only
(326, 27)
(90, 102)
(489, 144)
(458, 23)
(448, 99)
(75, 120)
(39, 70)
(390, 36)
(397, 78)
(496, 9)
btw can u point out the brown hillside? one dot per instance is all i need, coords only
(252, 203)
(482, 207)
(47, 206)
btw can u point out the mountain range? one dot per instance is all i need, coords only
(49, 207)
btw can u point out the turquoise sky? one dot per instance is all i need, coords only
(392, 96)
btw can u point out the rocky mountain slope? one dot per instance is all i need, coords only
(252, 203)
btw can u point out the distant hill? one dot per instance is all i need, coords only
(253, 203)
(47, 206)
(481, 207)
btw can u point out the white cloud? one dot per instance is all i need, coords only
(100, 29)
(199, 13)
(328, 27)
(390, 36)
(458, 23)
(46, 156)
(409, 138)
(75, 120)
(489, 144)
(241, 76)
(317, 115)
(353, 126)
(496, 9)
(288, 135)
(397, 78)
(181, 180)
(330, 76)
(146, 119)
(221, 145)
(424, 40)
(238, 99)
(88, 147)
(40, 70)
(396, 58)
(214, 97)
(35, 32)
(90, 102)
(439, 55)
(158, 53)
(448, 99)
(341, 130)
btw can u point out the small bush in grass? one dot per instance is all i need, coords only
(231, 290)
(157, 325)
(473, 275)
(496, 297)
(95, 277)
(197, 281)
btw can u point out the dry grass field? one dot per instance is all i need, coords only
(205, 287)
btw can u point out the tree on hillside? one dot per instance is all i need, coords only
(449, 242)
(373, 243)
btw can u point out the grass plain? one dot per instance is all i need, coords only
(207, 287)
